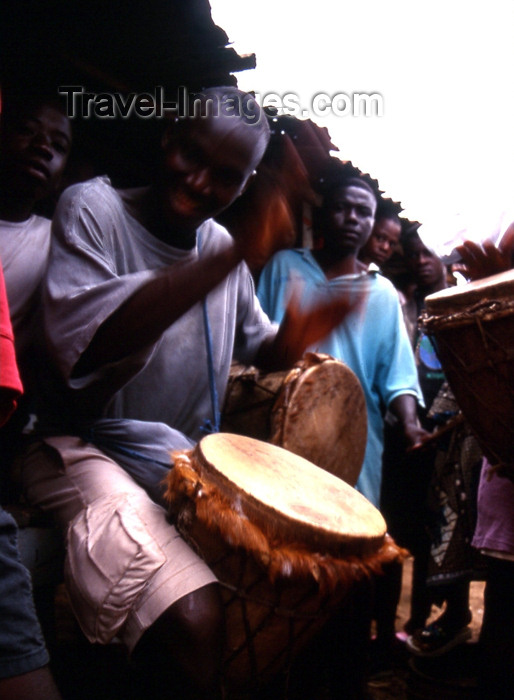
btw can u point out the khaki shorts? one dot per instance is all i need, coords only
(125, 564)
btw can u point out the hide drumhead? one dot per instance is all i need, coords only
(454, 299)
(321, 415)
(288, 496)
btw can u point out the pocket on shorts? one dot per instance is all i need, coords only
(111, 556)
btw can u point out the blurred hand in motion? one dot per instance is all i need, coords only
(484, 260)
(303, 327)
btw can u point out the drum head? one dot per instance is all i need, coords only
(473, 327)
(320, 414)
(463, 297)
(288, 497)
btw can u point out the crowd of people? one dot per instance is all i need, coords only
(127, 311)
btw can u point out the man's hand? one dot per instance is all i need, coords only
(416, 436)
(302, 328)
(8, 403)
(404, 407)
(486, 260)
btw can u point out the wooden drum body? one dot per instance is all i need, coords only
(316, 410)
(286, 539)
(473, 327)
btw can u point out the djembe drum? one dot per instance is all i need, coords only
(286, 539)
(316, 410)
(473, 328)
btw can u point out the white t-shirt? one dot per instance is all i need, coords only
(24, 248)
(100, 256)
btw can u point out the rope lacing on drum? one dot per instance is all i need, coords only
(497, 355)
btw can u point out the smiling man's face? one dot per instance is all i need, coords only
(207, 164)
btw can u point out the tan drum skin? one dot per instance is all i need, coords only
(286, 539)
(316, 410)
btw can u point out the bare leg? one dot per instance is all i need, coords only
(421, 595)
(388, 588)
(182, 650)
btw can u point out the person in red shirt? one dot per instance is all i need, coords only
(24, 672)
(10, 383)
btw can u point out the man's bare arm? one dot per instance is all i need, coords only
(142, 319)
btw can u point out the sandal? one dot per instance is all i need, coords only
(434, 639)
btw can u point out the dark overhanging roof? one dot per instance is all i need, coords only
(132, 45)
(124, 47)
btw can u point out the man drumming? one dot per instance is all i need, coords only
(147, 300)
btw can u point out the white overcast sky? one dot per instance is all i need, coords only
(444, 146)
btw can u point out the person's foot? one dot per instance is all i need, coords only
(386, 657)
(439, 637)
(402, 636)
(413, 624)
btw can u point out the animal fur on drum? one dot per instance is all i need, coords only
(190, 497)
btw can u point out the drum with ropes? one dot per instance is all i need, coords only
(286, 539)
(473, 329)
(316, 410)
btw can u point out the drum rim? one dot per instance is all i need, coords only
(279, 526)
(193, 500)
(297, 380)
(270, 412)
(481, 311)
(472, 288)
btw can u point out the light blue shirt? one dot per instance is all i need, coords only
(372, 341)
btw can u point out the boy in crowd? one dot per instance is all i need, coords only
(372, 340)
(35, 140)
(384, 238)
